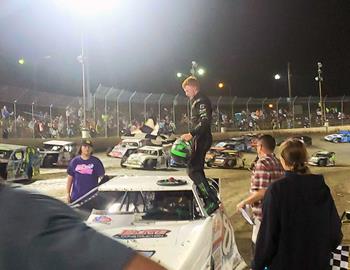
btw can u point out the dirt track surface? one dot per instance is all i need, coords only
(234, 184)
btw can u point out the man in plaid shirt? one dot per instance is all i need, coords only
(267, 169)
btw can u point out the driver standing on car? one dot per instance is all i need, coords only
(201, 137)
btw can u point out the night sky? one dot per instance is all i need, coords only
(143, 44)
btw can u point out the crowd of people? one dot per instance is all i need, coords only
(69, 122)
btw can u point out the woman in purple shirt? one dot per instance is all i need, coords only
(83, 172)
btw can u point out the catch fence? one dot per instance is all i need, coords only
(112, 111)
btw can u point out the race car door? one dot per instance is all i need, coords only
(14, 167)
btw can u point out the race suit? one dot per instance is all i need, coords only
(202, 139)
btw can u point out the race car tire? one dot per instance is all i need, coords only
(232, 163)
(48, 162)
(322, 163)
(212, 263)
(210, 163)
(337, 140)
(109, 149)
(150, 164)
(122, 161)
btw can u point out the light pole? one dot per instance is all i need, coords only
(15, 115)
(320, 79)
(86, 10)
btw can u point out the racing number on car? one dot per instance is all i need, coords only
(228, 235)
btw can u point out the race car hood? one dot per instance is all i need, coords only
(140, 156)
(46, 152)
(174, 244)
(314, 159)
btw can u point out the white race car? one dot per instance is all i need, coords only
(332, 137)
(121, 148)
(165, 220)
(148, 157)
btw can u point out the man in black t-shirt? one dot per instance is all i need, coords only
(40, 233)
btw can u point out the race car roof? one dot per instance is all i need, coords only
(132, 140)
(323, 153)
(151, 148)
(143, 183)
(10, 147)
(56, 142)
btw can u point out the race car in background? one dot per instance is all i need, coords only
(322, 158)
(57, 153)
(18, 162)
(148, 157)
(165, 218)
(138, 141)
(222, 158)
(237, 144)
(341, 137)
(121, 148)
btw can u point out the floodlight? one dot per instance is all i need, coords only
(277, 76)
(88, 8)
(201, 71)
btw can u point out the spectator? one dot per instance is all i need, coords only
(300, 226)
(267, 169)
(83, 172)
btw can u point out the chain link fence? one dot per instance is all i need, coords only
(112, 112)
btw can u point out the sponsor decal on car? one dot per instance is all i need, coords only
(103, 219)
(137, 234)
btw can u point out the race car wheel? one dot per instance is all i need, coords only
(322, 162)
(122, 161)
(48, 162)
(109, 149)
(232, 163)
(337, 140)
(210, 163)
(212, 264)
(150, 164)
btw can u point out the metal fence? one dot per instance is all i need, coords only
(111, 111)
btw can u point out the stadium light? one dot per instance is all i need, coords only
(21, 61)
(223, 85)
(88, 8)
(201, 71)
(277, 76)
(179, 74)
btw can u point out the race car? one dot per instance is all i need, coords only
(234, 144)
(341, 137)
(165, 219)
(57, 153)
(18, 162)
(148, 157)
(228, 159)
(121, 148)
(322, 158)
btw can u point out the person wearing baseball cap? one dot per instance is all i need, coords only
(84, 172)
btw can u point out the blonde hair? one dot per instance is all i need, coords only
(294, 154)
(192, 81)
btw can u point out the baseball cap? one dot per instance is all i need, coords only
(86, 142)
